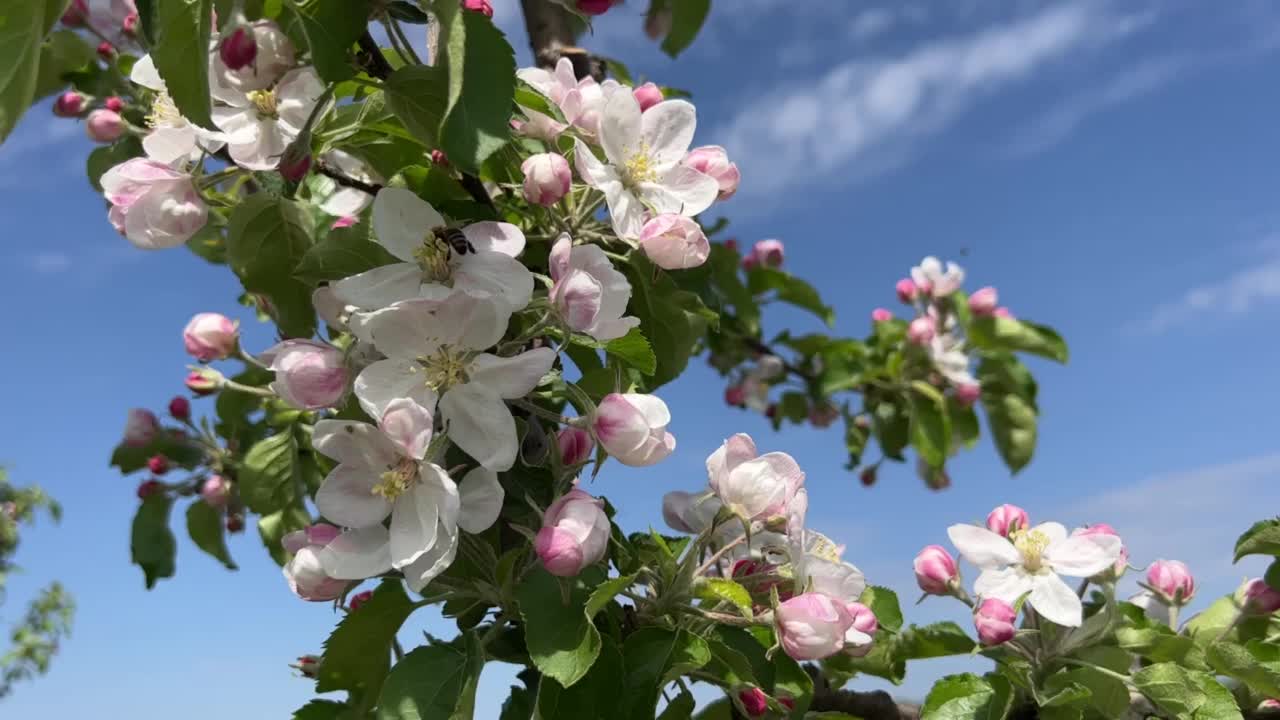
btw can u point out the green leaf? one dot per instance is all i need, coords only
(267, 476)
(930, 424)
(106, 157)
(1013, 425)
(730, 666)
(595, 696)
(653, 657)
(884, 604)
(433, 681)
(789, 289)
(151, 543)
(670, 318)
(63, 52)
(965, 697)
(892, 424)
(1002, 333)
(687, 17)
(321, 710)
(407, 12)
(181, 53)
(964, 423)
(715, 590)
(1219, 621)
(481, 71)
(342, 253)
(1272, 577)
(1234, 660)
(790, 680)
(172, 445)
(1171, 687)
(680, 708)
(357, 653)
(1106, 694)
(332, 27)
(634, 350)
(605, 592)
(935, 640)
(417, 95)
(562, 643)
(1263, 538)
(204, 525)
(23, 26)
(267, 237)
(272, 529)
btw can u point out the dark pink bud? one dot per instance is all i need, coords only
(1002, 312)
(359, 599)
(647, 95)
(868, 475)
(238, 49)
(148, 488)
(968, 393)
(295, 165)
(235, 523)
(158, 464)
(69, 104)
(575, 446)
(204, 381)
(594, 7)
(344, 221)
(130, 24)
(984, 302)
(480, 6)
(114, 104)
(1007, 519)
(77, 14)
(106, 51)
(731, 244)
(180, 408)
(823, 415)
(1259, 598)
(735, 395)
(439, 158)
(994, 622)
(754, 702)
(907, 290)
(787, 703)
(936, 571)
(881, 315)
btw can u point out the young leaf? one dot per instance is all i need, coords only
(417, 94)
(634, 350)
(23, 26)
(930, 424)
(357, 653)
(1233, 660)
(152, 544)
(1172, 688)
(1013, 427)
(481, 70)
(562, 643)
(342, 253)
(267, 480)
(181, 55)
(1263, 538)
(266, 239)
(1002, 333)
(204, 525)
(653, 657)
(332, 27)
(687, 17)
(714, 590)
(884, 604)
(594, 697)
(433, 681)
(962, 697)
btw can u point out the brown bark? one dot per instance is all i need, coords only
(552, 36)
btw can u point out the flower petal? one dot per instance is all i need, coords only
(668, 131)
(1055, 531)
(433, 562)
(346, 498)
(353, 443)
(1083, 555)
(621, 128)
(496, 237)
(590, 169)
(401, 221)
(386, 380)
(511, 377)
(681, 190)
(1008, 584)
(479, 422)
(481, 496)
(626, 212)
(415, 520)
(736, 450)
(1055, 601)
(982, 547)
(170, 144)
(409, 425)
(357, 554)
(494, 274)
(381, 286)
(144, 73)
(410, 329)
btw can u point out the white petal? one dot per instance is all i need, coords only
(481, 495)
(626, 212)
(837, 579)
(346, 202)
(479, 422)
(1083, 555)
(494, 274)
(620, 128)
(170, 144)
(668, 130)
(982, 547)
(409, 425)
(590, 169)
(381, 286)
(432, 563)
(296, 95)
(357, 554)
(1008, 584)
(655, 411)
(511, 377)
(1055, 531)
(411, 329)
(346, 498)
(496, 237)
(473, 323)
(735, 450)
(414, 522)
(1055, 601)
(681, 190)
(387, 380)
(401, 221)
(144, 73)
(353, 443)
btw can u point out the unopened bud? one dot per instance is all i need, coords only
(158, 464)
(480, 6)
(77, 14)
(754, 702)
(439, 158)
(204, 381)
(1259, 598)
(823, 414)
(575, 446)
(235, 523)
(308, 665)
(104, 126)
(296, 163)
(936, 571)
(210, 336)
(735, 395)
(994, 622)
(594, 7)
(921, 330)
(69, 104)
(647, 95)
(180, 408)
(1007, 519)
(880, 315)
(238, 49)
(114, 104)
(1002, 312)
(106, 51)
(215, 491)
(130, 24)
(906, 290)
(868, 475)
(148, 488)
(968, 393)
(984, 302)
(359, 599)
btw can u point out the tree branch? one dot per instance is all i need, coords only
(552, 36)
(871, 705)
(337, 176)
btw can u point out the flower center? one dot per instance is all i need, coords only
(1031, 544)
(433, 257)
(639, 168)
(445, 368)
(396, 480)
(164, 113)
(264, 101)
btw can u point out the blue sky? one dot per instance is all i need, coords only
(1110, 167)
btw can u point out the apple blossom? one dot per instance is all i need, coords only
(765, 253)
(180, 408)
(69, 104)
(273, 56)
(170, 138)
(921, 330)
(1030, 560)
(812, 626)
(575, 445)
(949, 358)
(294, 164)
(816, 562)
(713, 161)
(632, 427)
(574, 534)
(1122, 562)
(1172, 581)
(547, 178)
(754, 702)
(690, 512)
(114, 104)
(238, 49)
(862, 630)
(642, 170)
(936, 571)
(348, 202)
(984, 301)
(1256, 597)
(210, 336)
(1002, 312)
(674, 242)
(993, 620)
(434, 355)
(751, 485)
(104, 126)
(152, 205)
(1269, 704)
(906, 290)
(1007, 519)
(538, 125)
(215, 491)
(880, 315)
(158, 464)
(931, 279)
(309, 375)
(304, 572)
(411, 230)
(140, 428)
(588, 293)
(259, 123)
(968, 393)
(581, 101)
(647, 95)
(308, 666)
(735, 395)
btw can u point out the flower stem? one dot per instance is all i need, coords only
(1105, 671)
(702, 569)
(233, 385)
(541, 412)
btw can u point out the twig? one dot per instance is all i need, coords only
(375, 62)
(339, 177)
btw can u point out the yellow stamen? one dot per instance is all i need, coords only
(1032, 544)
(433, 258)
(396, 479)
(639, 167)
(264, 101)
(445, 368)
(164, 113)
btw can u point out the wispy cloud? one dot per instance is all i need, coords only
(49, 263)
(863, 116)
(1240, 292)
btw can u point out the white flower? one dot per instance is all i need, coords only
(1029, 561)
(581, 101)
(170, 138)
(274, 57)
(644, 173)
(751, 485)
(434, 354)
(931, 279)
(816, 562)
(381, 472)
(411, 230)
(260, 124)
(588, 292)
(950, 359)
(344, 201)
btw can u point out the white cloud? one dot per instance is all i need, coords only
(49, 263)
(863, 109)
(871, 23)
(1236, 294)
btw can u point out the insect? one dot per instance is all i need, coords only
(456, 240)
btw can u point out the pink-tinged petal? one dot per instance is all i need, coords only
(496, 237)
(494, 274)
(1007, 585)
(380, 286)
(668, 131)
(409, 425)
(578, 297)
(619, 425)
(346, 498)
(481, 498)
(512, 377)
(559, 550)
(170, 144)
(753, 488)
(621, 128)
(357, 554)
(402, 221)
(682, 190)
(479, 422)
(387, 380)
(982, 547)
(652, 407)
(558, 260)
(415, 520)
(736, 450)
(296, 95)
(1055, 601)
(1083, 555)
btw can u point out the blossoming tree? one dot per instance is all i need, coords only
(482, 277)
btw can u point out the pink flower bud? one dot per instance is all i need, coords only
(114, 104)
(439, 158)
(140, 428)
(880, 315)
(238, 49)
(921, 330)
(575, 446)
(309, 375)
(130, 24)
(861, 633)
(158, 464)
(735, 396)
(594, 7)
(632, 427)
(77, 14)
(235, 523)
(1006, 519)
(1172, 580)
(480, 6)
(295, 164)
(104, 126)
(674, 242)
(205, 381)
(210, 336)
(648, 95)
(1259, 598)
(823, 414)
(308, 666)
(868, 475)
(754, 702)
(1269, 704)
(767, 253)
(106, 51)
(180, 408)
(994, 622)
(936, 571)
(304, 571)
(215, 491)
(148, 488)
(547, 178)
(359, 599)
(812, 626)
(574, 534)
(69, 104)
(968, 393)
(907, 290)
(983, 302)
(1002, 312)
(344, 222)
(731, 244)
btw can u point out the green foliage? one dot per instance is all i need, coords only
(653, 657)
(480, 69)
(434, 681)
(62, 54)
(23, 26)
(36, 637)
(563, 643)
(1263, 538)
(343, 252)
(331, 28)
(204, 525)
(1008, 334)
(357, 655)
(673, 320)
(717, 590)
(634, 350)
(1244, 664)
(884, 605)
(274, 526)
(269, 475)
(968, 697)
(687, 17)
(152, 543)
(417, 95)
(594, 696)
(1186, 694)
(181, 30)
(267, 237)
(177, 448)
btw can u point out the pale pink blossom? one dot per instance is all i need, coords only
(968, 393)
(984, 302)
(766, 253)
(812, 626)
(751, 485)
(632, 427)
(304, 572)
(210, 336)
(153, 205)
(547, 178)
(862, 629)
(921, 330)
(215, 491)
(906, 290)
(932, 279)
(575, 445)
(104, 126)
(674, 242)
(574, 534)
(588, 293)
(1259, 598)
(936, 571)
(309, 375)
(713, 161)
